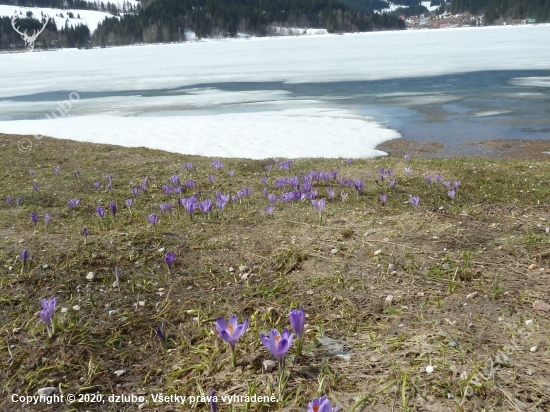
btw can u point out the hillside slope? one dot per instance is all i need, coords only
(168, 20)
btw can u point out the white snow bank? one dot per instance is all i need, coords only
(90, 18)
(288, 133)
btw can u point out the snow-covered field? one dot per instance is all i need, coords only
(427, 5)
(90, 18)
(264, 123)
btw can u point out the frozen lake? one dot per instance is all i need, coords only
(327, 96)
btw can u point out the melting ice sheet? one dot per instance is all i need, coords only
(313, 132)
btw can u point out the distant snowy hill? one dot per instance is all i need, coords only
(90, 18)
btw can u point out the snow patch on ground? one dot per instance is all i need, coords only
(392, 7)
(288, 133)
(90, 18)
(427, 5)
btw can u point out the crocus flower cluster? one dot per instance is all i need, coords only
(73, 203)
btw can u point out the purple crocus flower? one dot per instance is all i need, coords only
(222, 200)
(330, 192)
(205, 207)
(456, 184)
(9, 200)
(264, 180)
(407, 158)
(47, 314)
(143, 188)
(211, 179)
(278, 344)
(319, 204)
(175, 179)
(383, 198)
(32, 172)
(429, 180)
(47, 219)
(438, 178)
(349, 161)
(451, 193)
(321, 405)
(112, 206)
(76, 173)
(73, 203)
(109, 187)
(97, 185)
(129, 203)
(298, 320)
(34, 218)
(85, 234)
(272, 198)
(269, 210)
(109, 177)
(217, 164)
(24, 256)
(359, 184)
(414, 201)
(190, 204)
(230, 331)
(100, 211)
(56, 169)
(153, 219)
(169, 258)
(392, 183)
(230, 173)
(448, 185)
(135, 191)
(213, 400)
(166, 208)
(18, 201)
(269, 167)
(160, 333)
(36, 188)
(188, 166)
(285, 165)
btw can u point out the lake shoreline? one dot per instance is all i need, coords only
(497, 149)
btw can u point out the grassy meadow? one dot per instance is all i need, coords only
(433, 308)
